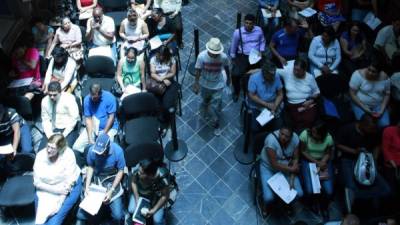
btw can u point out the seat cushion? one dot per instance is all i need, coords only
(117, 16)
(135, 153)
(142, 130)
(17, 191)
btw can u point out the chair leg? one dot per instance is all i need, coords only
(180, 101)
(13, 216)
(179, 60)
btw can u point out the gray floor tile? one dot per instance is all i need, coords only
(222, 218)
(221, 192)
(220, 167)
(208, 179)
(207, 155)
(233, 179)
(219, 144)
(235, 207)
(195, 167)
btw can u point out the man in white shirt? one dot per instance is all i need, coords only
(388, 39)
(302, 93)
(100, 31)
(60, 114)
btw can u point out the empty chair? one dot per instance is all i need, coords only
(18, 190)
(99, 69)
(115, 9)
(139, 119)
(136, 153)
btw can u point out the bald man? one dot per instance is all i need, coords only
(100, 31)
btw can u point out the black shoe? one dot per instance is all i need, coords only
(235, 98)
(325, 215)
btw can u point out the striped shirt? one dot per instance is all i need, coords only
(6, 124)
(211, 70)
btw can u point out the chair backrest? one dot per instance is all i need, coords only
(114, 5)
(22, 105)
(331, 85)
(136, 153)
(100, 66)
(139, 104)
(22, 162)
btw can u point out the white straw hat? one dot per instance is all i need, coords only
(214, 46)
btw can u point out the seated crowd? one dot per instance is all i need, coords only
(326, 83)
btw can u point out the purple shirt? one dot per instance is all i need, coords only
(251, 40)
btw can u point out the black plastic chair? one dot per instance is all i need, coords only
(18, 189)
(99, 69)
(139, 119)
(336, 108)
(136, 153)
(24, 108)
(115, 9)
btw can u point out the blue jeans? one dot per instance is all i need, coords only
(327, 185)
(211, 99)
(268, 194)
(158, 217)
(380, 188)
(383, 121)
(67, 205)
(117, 212)
(26, 139)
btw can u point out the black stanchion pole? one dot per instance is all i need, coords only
(238, 19)
(176, 149)
(241, 152)
(192, 70)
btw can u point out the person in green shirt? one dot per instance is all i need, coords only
(316, 146)
(130, 71)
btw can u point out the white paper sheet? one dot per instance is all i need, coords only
(268, 14)
(264, 117)
(254, 56)
(155, 42)
(372, 21)
(6, 149)
(316, 185)
(20, 82)
(280, 186)
(48, 204)
(93, 201)
(307, 12)
(96, 125)
(130, 90)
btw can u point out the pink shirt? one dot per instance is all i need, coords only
(23, 71)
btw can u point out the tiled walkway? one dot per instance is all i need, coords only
(215, 188)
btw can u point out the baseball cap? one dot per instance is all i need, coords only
(102, 143)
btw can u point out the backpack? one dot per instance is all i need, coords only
(365, 169)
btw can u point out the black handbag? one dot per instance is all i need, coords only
(155, 87)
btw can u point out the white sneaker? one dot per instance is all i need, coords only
(217, 131)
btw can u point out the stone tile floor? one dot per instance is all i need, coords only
(214, 187)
